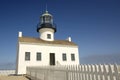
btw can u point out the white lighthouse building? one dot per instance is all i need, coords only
(45, 50)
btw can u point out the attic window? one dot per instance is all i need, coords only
(48, 36)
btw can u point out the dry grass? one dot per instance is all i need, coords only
(13, 78)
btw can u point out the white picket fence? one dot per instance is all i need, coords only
(7, 72)
(78, 72)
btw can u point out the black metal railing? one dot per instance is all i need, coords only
(46, 25)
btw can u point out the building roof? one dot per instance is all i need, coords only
(38, 40)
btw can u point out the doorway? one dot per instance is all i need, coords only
(52, 58)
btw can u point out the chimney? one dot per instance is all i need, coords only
(20, 34)
(69, 39)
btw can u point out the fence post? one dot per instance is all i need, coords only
(73, 72)
(66, 73)
(79, 72)
(110, 72)
(116, 72)
(105, 72)
(82, 70)
(88, 71)
(92, 72)
(99, 72)
(85, 72)
(95, 72)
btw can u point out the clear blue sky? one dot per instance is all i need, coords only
(93, 24)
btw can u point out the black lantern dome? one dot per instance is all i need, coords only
(46, 22)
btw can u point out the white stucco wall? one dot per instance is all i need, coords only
(45, 50)
(44, 32)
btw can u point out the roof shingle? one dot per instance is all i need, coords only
(38, 40)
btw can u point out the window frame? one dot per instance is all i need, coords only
(27, 56)
(47, 19)
(37, 58)
(48, 36)
(64, 57)
(72, 57)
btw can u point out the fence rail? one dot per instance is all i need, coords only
(78, 72)
(7, 72)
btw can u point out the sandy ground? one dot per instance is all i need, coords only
(13, 78)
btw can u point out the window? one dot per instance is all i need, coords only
(43, 18)
(48, 36)
(47, 19)
(38, 56)
(27, 56)
(72, 57)
(64, 57)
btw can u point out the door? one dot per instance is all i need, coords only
(52, 58)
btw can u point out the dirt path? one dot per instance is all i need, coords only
(13, 78)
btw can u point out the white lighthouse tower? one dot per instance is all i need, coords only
(46, 28)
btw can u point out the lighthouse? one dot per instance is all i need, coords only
(45, 50)
(46, 28)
